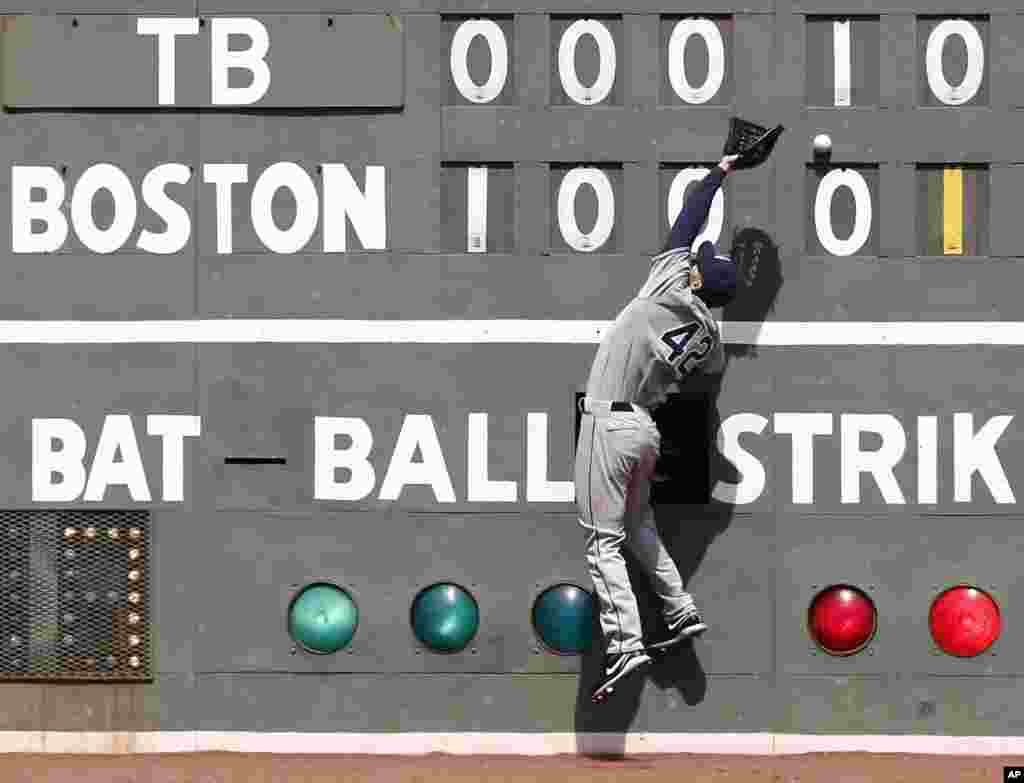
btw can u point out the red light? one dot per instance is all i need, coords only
(964, 621)
(842, 620)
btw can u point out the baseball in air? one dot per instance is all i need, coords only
(822, 144)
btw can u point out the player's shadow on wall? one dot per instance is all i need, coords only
(688, 517)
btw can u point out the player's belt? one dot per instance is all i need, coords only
(590, 405)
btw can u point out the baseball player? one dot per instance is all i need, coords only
(665, 334)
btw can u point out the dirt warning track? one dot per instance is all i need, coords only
(214, 767)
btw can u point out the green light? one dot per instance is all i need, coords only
(563, 617)
(445, 617)
(322, 618)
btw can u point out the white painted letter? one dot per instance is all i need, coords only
(751, 470)
(67, 462)
(173, 430)
(165, 29)
(223, 176)
(479, 487)
(103, 176)
(976, 452)
(223, 60)
(307, 207)
(927, 459)
(178, 223)
(418, 431)
(803, 427)
(538, 488)
(327, 459)
(117, 434)
(24, 210)
(879, 463)
(367, 212)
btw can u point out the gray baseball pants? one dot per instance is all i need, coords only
(615, 459)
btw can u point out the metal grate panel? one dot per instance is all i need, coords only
(74, 595)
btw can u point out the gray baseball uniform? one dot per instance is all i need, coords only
(662, 336)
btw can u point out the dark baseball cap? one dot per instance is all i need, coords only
(719, 275)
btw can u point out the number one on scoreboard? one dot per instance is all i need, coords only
(476, 209)
(841, 56)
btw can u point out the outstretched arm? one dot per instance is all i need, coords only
(695, 211)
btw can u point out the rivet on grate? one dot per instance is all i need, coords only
(113, 532)
(70, 573)
(133, 554)
(69, 639)
(133, 619)
(90, 596)
(15, 640)
(69, 595)
(69, 532)
(134, 660)
(134, 532)
(90, 532)
(112, 596)
(134, 597)
(69, 554)
(133, 640)
(68, 618)
(133, 575)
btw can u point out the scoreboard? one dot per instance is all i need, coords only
(296, 303)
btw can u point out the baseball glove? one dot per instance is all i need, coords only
(753, 143)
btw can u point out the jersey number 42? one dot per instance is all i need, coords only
(688, 344)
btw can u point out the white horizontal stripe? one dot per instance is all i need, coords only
(484, 743)
(300, 330)
(513, 331)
